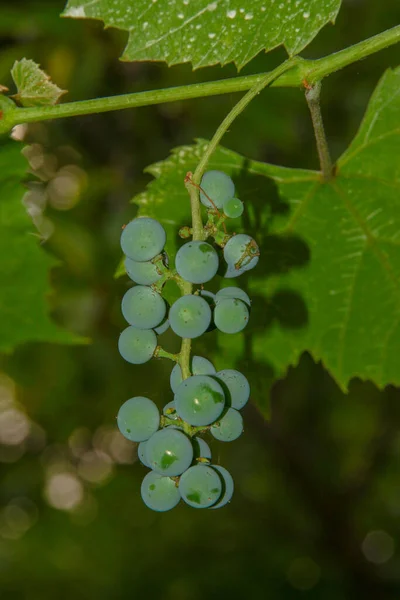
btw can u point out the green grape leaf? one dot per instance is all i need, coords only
(328, 280)
(34, 85)
(208, 32)
(24, 265)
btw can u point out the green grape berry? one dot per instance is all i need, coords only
(142, 239)
(199, 400)
(138, 419)
(199, 366)
(231, 315)
(200, 486)
(218, 186)
(241, 254)
(143, 308)
(229, 427)
(159, 493)
(137, 346)
(169, 452)
(190, 316)
(233, 208)
(197, 262)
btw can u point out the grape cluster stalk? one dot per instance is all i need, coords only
(204, 401)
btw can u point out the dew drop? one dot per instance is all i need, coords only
(306, 15)
(181, 16)
(211, 36)
(231, 14)
(248, 17)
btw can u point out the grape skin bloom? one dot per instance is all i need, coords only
(197, 262)
(137, 346)
(169, 452)
(236, 387)
(199, 400)
(143, 273)
(218, 186)
(143, 308)
(200, 486)
(231, 315)
(138, 419)
(200, 366)
(190, 316)
(229, 427)
(142, 239)
(159, 493)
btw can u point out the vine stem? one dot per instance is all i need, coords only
(310, 70)
(313, 94)
(237, 110)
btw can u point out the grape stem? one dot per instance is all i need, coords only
(198, 234)
(313, 100)
(192, 182)
(161, 353)
(238, 109)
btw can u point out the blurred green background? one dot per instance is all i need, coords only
(317, 504)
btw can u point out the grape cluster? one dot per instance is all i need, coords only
(205, 400)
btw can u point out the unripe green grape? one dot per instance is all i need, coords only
(233, 292)
(199, 366)
(231, 315)
(162, 327)
(138, 419)
(142, 239)
(159, 493)
(209, 296)
(143, 273)
(229, 427)
(218, 186)
(241, 254)
(236, 387)
(137, 346)
(233, 208)
(190, 316)
(143, 308)
(169, 452)
(142, 454)
(200, 448)
(197, 262)
(227, 487)
(200, 486)
(199, 400)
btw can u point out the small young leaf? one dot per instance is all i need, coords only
(24, 265)
(328, 279)
(208, 32)
(34, 86)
